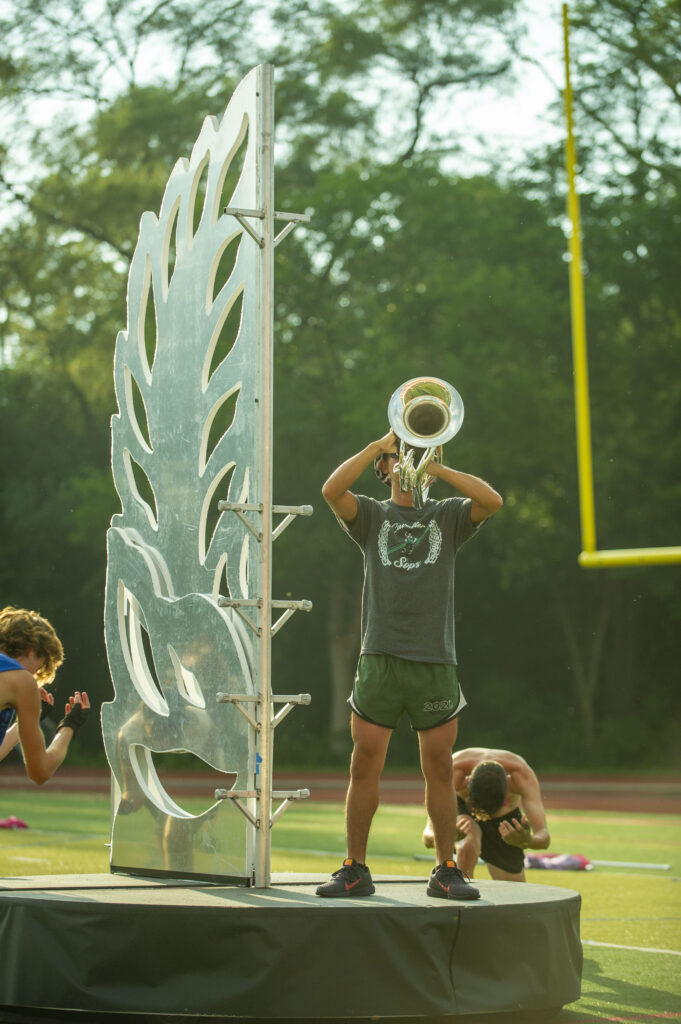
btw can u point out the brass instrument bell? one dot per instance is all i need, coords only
(424, 412)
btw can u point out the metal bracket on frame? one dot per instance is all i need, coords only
(285, 795)
(241, 215)
(239, 508)
(289, 700)
(237, 603)
(289, 511)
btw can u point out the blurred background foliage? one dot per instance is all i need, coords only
(420, 258)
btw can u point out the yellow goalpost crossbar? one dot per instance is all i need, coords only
(589, 557)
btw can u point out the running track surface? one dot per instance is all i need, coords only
(654, 795)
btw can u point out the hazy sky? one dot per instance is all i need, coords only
(521, 116)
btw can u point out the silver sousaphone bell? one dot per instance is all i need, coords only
(424, 412)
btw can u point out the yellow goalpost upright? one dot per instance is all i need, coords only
(590, 557)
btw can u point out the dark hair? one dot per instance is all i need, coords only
(487, 788)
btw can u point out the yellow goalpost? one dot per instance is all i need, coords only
(590, 557)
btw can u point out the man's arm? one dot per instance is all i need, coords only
(11, 737)
(532, 833)
(336, 490)
(41, 762)
(485, 500)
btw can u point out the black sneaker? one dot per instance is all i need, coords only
(352, 879)
(447, 882)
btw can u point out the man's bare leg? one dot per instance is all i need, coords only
(446, 880)
(436, 764)
(468, 848)
(368, 757)
(505, 876)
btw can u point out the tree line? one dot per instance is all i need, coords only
(411, 265)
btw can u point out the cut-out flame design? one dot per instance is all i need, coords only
(171, 647)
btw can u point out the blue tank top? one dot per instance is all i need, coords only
(7, 714)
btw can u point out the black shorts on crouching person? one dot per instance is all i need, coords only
(493, 849)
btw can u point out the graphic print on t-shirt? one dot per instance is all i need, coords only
(409, 545)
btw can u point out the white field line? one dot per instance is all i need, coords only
(633, 949)
(630, 864)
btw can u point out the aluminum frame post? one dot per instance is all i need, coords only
(265, 194)
(263, 720)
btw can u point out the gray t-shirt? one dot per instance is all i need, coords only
(408, 597)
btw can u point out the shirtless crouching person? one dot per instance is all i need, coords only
(500, 812)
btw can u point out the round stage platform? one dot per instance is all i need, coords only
(117, 944)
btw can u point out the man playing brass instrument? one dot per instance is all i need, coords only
(408, 659)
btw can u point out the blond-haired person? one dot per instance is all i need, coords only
(30, 654)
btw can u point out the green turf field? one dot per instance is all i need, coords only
(630, 922)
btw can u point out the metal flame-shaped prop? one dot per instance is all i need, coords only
(189, 555)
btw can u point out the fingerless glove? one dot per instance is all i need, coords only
(74, 719)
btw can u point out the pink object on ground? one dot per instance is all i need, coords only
(558, 861)
(12, 822)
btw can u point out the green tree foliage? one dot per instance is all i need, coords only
(627, 115)
(406, 268)
(377, 68)
(627, 56)
(458, 278)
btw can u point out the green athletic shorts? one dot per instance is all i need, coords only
(386, 686)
